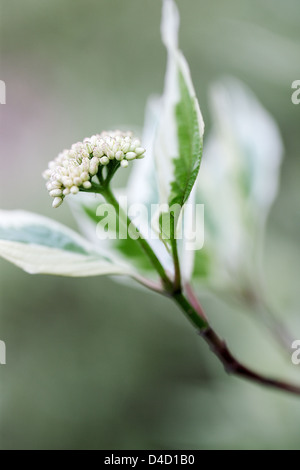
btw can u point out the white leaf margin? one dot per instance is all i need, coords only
(166, 142)
(41, 259)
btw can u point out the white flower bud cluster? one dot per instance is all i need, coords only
(74, 169)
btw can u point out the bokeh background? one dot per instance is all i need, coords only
(98, 365)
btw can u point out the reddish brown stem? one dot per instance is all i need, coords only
(220, 349)
(233, 366)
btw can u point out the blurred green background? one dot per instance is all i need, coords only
(98, 365)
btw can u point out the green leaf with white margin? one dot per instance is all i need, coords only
(190, 138)
(179, 138)
(39, 245)
(242, 160)
(178, 146)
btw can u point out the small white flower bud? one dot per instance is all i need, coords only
(75, 171)
(139, 151)
(130, 156)
(66, 191)
(53, 185)
(84, 153)
(55, 192)
(89, 147)
(104, 160)
(119, 155)
(77, 181)
(57, 202)
(94, 165)
(125, 146)
(73, 153)
(110, 154)
(68, 182)
(124, 163)
(98, 152)
(87, 185)
(94, 140)
(74, 190)
(84, 176)
(85, 165)
(139, 157)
